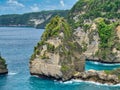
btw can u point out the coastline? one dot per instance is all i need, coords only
(88, 76)
(75, 81)
(71, 81)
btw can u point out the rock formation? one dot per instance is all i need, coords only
(57, 55)
(3, 66)
(97, 29)
(93, 35)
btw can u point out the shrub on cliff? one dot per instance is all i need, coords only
(56, 25)
(108, 39)
(2, 61)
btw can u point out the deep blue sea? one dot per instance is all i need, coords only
(16, 46)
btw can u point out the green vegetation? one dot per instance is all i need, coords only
(56, 25)
(33, 56)
(84, 46)
(108, 39)
(91, 9)
(44, 56)
(107, 34)
(2, 60)
(2, 63)
(50, 47)
(118, 46)
(24, 19)
(65, 68)
(53, 29)
(114, 72)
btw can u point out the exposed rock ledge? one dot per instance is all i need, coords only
(97, 76)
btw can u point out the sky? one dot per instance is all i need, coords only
(25, 6)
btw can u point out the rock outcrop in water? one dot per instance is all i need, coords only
(57, 55)
(3, 66)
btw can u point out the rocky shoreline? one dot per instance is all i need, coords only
(91, 75)
(97, 76)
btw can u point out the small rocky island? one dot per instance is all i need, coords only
(3, 66)
(87, 34)
(57, 55)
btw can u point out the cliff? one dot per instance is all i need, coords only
(3, 66)
(36, 19)
(57, 55)
(96, 25)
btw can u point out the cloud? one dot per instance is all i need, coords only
(34, 8)
(15, 2)
(62, 3)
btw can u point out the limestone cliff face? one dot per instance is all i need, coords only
(3, 66)
(90, 42)
(96, 27)
(57, 55)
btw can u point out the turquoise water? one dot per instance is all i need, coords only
(16, 46)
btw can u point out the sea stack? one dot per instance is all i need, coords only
(3, 66)
(57, 55)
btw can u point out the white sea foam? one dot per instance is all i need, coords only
(89, 82)
(12, 73)
(96, 63)
(68, 82)
(35, 76)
